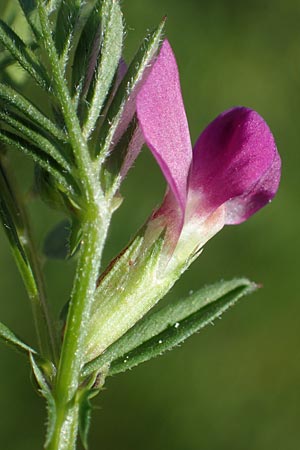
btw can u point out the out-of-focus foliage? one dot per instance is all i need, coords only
(236, 385)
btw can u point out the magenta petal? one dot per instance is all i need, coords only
(134, 147)
(162, 118)
(241, 208)
(236, 161)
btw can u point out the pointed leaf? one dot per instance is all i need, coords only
(24, 127)
(111, 51)
(122, 108)
(45, 391)
(86, 54)
(163, 329)
(89, 389)
(41, 158)
(14, 99)
(67, 17)
(177, 332)
(9, 338)
(12, 224)
(122, 157)
(23, 55)
(85, 412)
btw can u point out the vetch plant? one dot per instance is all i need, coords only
(99, 114)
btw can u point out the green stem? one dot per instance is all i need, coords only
(71, 361)
(87, 175)
(95, 222)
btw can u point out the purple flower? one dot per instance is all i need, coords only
(232, 172)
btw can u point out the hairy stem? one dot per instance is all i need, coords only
(71, 361)
(95, 222)
(88, 176)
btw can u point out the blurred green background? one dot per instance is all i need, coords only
(237, 384)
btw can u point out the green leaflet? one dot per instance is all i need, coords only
(16, 227)
(85, 395)
(45, 391)
(43, 143)
(15, 232)
(85, 412)
(111, 51)
(86, 55)
(9, 338)
(67, 17)
(23, 55)
(41, 158)
(127, 90)
(161, 330)
(121, 158)
(14, 99)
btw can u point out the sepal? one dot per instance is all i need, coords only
(123, 294)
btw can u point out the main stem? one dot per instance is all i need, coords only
(95, 222)
(64, 436)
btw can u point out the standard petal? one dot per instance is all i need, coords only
(233, 159)
(163, 121)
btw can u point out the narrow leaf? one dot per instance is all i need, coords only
(21, 53)
(122, 108)
(36, 138)
(86, 54)
(67, 17)
(41, 158)
(85, 412)
(121, 159)
(15, 224)
(89, 389)
(8, 337)
(111, 51)
(45, 391)
(163, 329)
(14, 230)
(13, 98)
